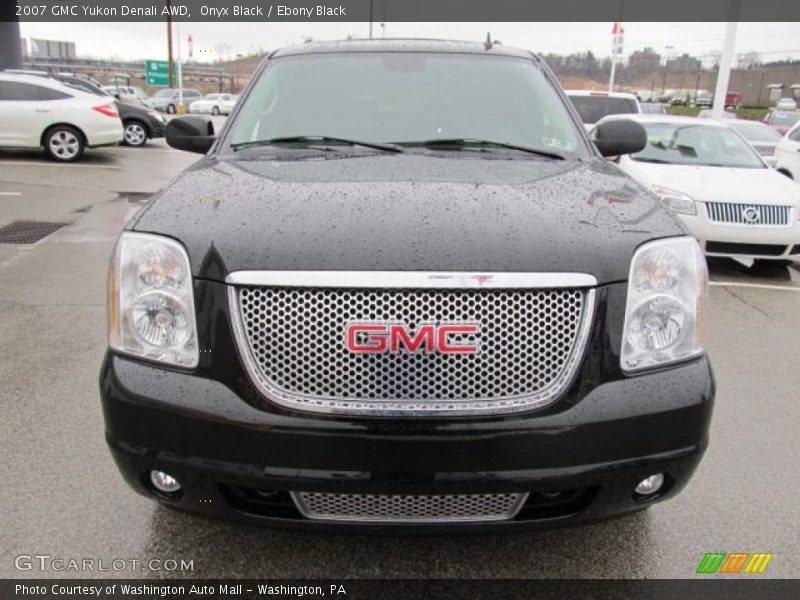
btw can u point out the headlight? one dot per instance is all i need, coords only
(151, 302)
(675, 201)
(666, 307)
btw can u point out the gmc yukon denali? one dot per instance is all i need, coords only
(403, 291)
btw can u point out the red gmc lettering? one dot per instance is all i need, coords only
(424, 334)
(375, 343)
(447, 347)
(391, 338)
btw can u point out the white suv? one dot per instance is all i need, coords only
(593, 105)
(40, 112)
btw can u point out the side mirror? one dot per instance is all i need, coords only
(191, 133)
(619, 136)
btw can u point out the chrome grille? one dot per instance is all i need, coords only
(748, 214)
(408, 508)
(293, 342)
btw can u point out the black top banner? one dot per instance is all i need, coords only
(401, 10)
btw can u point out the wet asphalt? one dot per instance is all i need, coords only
(61, 495)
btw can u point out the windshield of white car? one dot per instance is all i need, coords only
(394, 97)
(593, 108)
(167, 93)
(785, 118)
(698, 145)
(756, 132)
(211, 97)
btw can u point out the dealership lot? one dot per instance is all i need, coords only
(62, 495)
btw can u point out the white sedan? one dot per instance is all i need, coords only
(787, 153)
(42, 112)
(719, 187)
(215, 104)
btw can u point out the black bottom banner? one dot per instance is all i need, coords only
(367, 589)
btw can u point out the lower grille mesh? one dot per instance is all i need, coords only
(405, 508)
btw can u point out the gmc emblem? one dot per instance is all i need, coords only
(377, 338)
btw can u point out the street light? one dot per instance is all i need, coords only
(666, 62)
(235, 85)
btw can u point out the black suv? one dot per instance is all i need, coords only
(404, 290)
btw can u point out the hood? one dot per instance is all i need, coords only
(723, 184)
(411, 212)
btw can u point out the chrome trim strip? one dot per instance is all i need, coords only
(302, 508)
(410, 279)
(410, 408)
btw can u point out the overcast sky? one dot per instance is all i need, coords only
(148, 40)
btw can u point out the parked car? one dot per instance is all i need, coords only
(42, 112)
(215, 104)
(704, 100)
(126, 91)
(167, 99)
(468, 319)
(782, 120)
(762, 137)
(652, 108)
(733, 100)
(787, 153)
(707, 113)
(719, 187)
(140, 123)
(593, 106)
(680, 99)
(786, 104)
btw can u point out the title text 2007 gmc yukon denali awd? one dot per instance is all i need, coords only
(403, 290)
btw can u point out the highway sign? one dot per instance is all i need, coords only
(157, 72)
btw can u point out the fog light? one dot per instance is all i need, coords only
(649, 486)
(164, 482)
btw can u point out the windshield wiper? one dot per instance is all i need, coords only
(474, 143)
(659, 161)
(315, 139)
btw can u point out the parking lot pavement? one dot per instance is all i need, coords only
(61, 494)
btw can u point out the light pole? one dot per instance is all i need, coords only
(235, 85)
(666, 62)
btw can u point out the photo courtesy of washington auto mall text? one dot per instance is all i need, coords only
(379, 299)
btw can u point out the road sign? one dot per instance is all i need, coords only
(157, 72)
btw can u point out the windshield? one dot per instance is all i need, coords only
(702, 145)
(165, 93)
(757, 132)
(593, 108)
(211, 96)
(785, 118)
(381, 97)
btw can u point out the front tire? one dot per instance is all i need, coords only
(215, 111)
(64, 143)
(171, 109)
(135, 134)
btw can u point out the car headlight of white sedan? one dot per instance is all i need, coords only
(675, 201)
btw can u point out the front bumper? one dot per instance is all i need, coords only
(158, 129)
(746, 241)
(224, 450)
